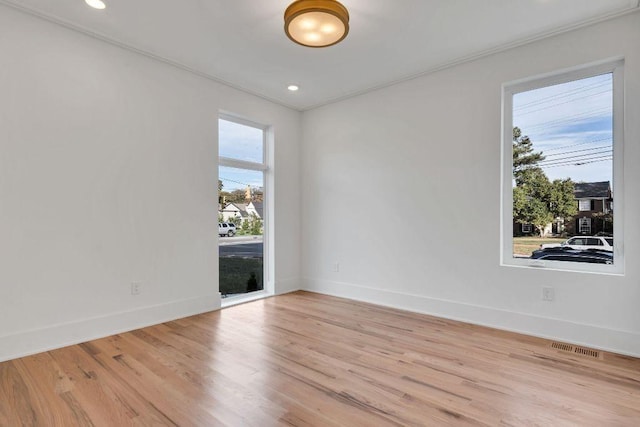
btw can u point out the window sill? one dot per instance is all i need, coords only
(242, 298)
(616, 269)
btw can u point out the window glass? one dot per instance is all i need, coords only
(584, 225)
(562, 136)
(584, 205)
(241, 142)
(242, 170)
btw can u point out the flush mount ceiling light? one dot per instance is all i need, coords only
(316, 23)
(96, 4)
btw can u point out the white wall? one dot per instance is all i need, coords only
(415, 170)
(107, 176)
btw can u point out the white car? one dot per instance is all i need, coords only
(226, 229)
(582, 242)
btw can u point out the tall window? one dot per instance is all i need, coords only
(242, 213)
(562, 165)
(585, 225)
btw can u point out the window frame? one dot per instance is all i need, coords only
(266, 167)
(614, 66)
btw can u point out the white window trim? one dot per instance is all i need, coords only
(580, 201)
(268, 208)
(615, 66)
(587, 221)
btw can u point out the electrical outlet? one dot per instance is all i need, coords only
(135, 288)
(547, 294)
(336, 267)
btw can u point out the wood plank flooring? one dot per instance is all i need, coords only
(305, 359)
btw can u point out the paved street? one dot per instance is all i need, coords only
(241, 246)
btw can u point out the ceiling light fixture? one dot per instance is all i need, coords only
(293, 88)
(316, 23)
(96, 4)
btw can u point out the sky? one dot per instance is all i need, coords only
(571, 123)
(240, 142)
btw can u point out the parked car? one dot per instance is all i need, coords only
(582, 242)
(226, 229)
(563, 253)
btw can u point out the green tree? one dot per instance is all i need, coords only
(529, 210)
(524, 158)
(235, 196)
(531, 199)
(252, 283)
(221, 199)
(562, 202)
(255, 225)
(234, 220)
(536, 200)
(606, 220)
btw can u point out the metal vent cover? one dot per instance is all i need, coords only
(562, 346)
(582, 351)
(587, 352)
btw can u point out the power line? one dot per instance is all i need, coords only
(567, 121)
(604, 159)
(579, 143)
(578, 160)
(574, 117)
(578, 151)
(560, 100)
(562, 103)
(543, 129)
(564, 94)
(236, 182)
(574, 158)
(241, 183)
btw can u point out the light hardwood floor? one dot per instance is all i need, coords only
(305, 359)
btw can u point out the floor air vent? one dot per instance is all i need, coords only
(582, 351)
(561, 346)
(587, 352)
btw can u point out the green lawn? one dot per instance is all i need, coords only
(235, 274)
(526, 245)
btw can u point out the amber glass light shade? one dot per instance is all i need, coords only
(316, 23)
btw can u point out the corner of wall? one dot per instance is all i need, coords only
(288, 285)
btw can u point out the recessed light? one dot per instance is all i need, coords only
(293, 88)
(96, 4)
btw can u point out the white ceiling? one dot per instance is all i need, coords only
(242, 42)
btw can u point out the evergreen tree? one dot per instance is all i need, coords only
(536, 200)
(523, 156)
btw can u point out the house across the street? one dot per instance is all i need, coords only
(240, 212)
(595, 209)
(595, 213)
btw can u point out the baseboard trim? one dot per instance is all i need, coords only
(612, 340)
(62, 335)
